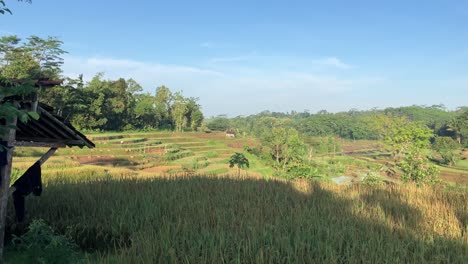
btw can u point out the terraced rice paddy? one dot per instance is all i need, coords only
(157, 153)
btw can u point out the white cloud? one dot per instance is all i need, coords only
(149, 74)
(334, 62)
(208, 45)
(228, 59)
(232, 91)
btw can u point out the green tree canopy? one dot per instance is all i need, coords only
(408, 141)
(447, 147)
(239, 160)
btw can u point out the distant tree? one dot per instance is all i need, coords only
(20, 65)
(294, 150)
(132, 90)
(400, 134)
(179, 112)
(194, 116)
(36, 58)
(133, 87)
(47, 52)
(219, 123)
(447, 147)
(459, 126)
(16, 61)
(285, 145)
(67, 99)
(416, 168)
(163, 103)
(115, 105)
(408, 142)
(239, 160)
(435, 117)
(145, 111)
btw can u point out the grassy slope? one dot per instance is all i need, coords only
(145, 150)
(462, 164)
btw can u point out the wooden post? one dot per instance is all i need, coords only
(5, 173)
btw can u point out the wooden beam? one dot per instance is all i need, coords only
(46, 156)
(22, 143)
(72, 142)
(5, 173)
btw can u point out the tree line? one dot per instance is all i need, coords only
(115, 105)
(290, 140)
(353, 124)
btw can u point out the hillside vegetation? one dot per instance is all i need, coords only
(159, 197)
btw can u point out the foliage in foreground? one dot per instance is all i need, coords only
(231, 220)
(40, 245)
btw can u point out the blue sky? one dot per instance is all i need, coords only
(242, 57)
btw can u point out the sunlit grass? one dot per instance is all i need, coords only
(125, 214)
(216, 219)
(462, 164)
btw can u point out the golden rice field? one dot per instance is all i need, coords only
(124, 210)
(222, 219)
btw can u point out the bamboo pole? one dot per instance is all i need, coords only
(5, 173)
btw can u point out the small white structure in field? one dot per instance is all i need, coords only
(230, 133)
(342, 180)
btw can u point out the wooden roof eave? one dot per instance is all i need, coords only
(84, 140)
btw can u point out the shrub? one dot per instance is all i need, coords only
(415, 168)
(372, 178)
(198, 163)
(335, 167)
(447, 148)
(257, 151)
(211, 154)
(302, 170)
(40, 245)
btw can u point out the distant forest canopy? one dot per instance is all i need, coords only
(353, 124)
(99, 104)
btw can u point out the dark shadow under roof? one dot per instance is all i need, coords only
(49, 130)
